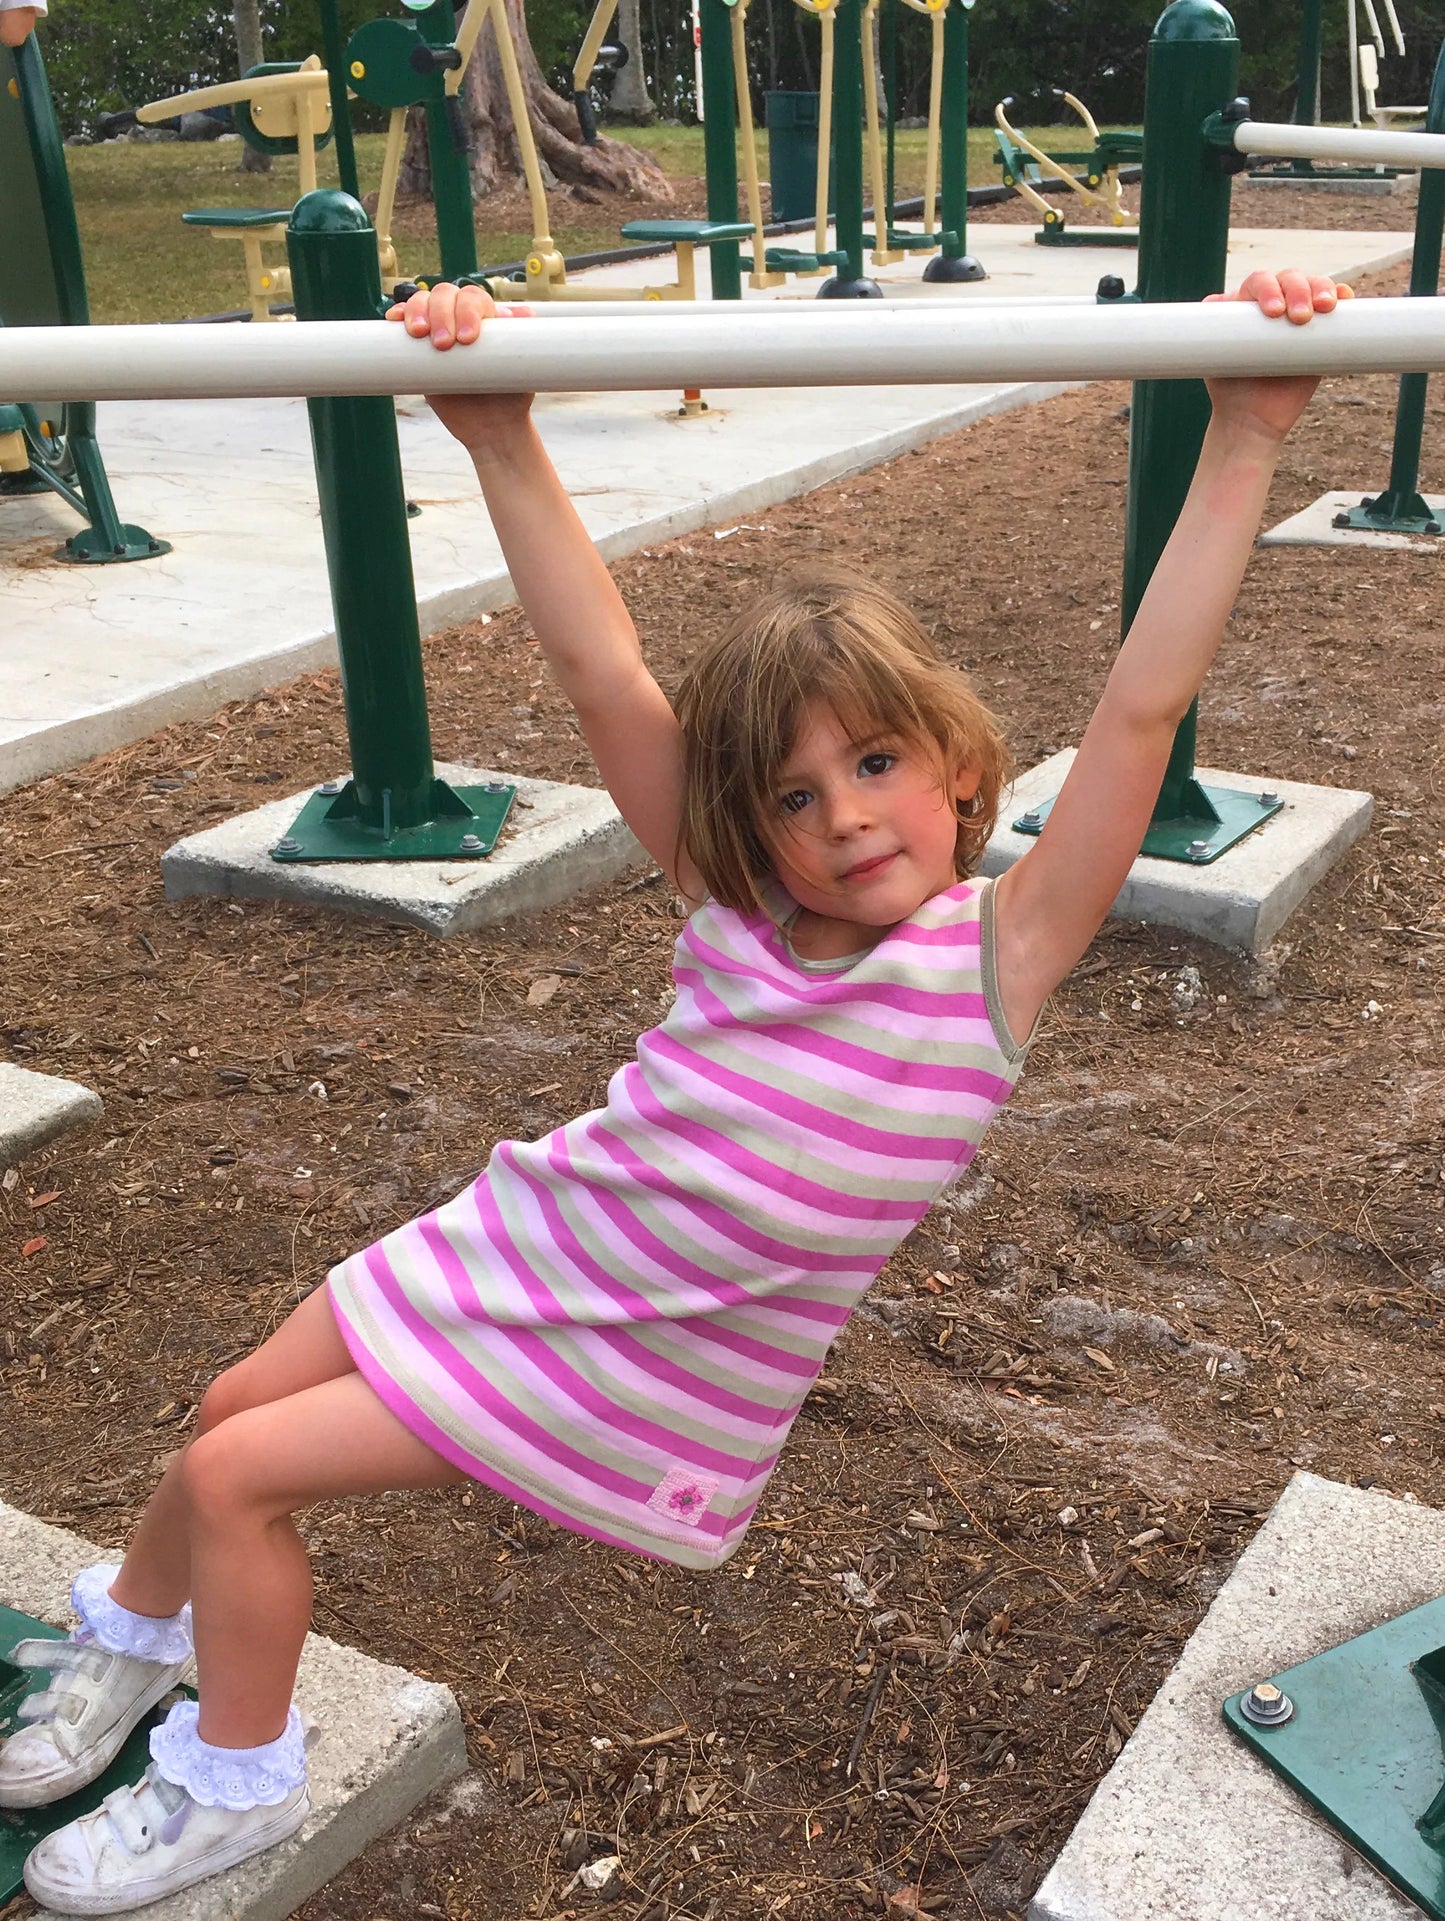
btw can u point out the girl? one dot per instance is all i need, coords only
(616, 1325)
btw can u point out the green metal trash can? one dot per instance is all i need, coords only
(793, 155)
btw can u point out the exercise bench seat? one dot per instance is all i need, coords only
(683, 236)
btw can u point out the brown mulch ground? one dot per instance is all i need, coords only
(1204, 1247)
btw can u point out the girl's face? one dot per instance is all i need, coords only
(864, 830)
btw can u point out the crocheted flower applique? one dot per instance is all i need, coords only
(683, 1495)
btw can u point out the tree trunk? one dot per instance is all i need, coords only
(629, 99)
(494, 151)
(246, 18)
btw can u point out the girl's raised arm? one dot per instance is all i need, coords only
(579, 618)
(1053, 901)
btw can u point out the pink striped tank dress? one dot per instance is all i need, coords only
(615, 1325)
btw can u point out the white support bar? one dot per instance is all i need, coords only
(828, 347)
(763, 309)
(1357, 146)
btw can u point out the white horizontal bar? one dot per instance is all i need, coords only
(1359, 146)
(906, 346)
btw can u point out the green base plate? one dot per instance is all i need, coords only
(1087, 237)
(22, 1828)
(1378, 516)
(1364, 1746)
(464, 825)
(1213, 820)
(91, 549)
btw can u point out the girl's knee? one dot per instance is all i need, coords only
(231, 1393)
(220, 1473)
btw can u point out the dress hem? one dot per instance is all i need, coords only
(399, 1402)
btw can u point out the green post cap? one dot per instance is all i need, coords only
(328, 210)
(1194, 20)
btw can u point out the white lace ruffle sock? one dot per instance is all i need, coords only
(145, 1637)
(235, 1778)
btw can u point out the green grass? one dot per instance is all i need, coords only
(142, 264)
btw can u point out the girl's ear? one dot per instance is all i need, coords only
(966, 784)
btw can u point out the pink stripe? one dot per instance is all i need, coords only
(576, 1391)
(724, 1293)
(783, 1184)
(777, 1253)
(873, 1142)
(891, 1070)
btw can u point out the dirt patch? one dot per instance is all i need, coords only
(1204, 1246)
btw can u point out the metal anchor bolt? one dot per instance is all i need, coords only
(286, 845)
(1030, 819)
(1199, 850)
(330, 787)
(495, 787)
(471, 844)
(1269, 800)
(1266, 1705)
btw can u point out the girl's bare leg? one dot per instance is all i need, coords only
(305, 1350)
(250, 1578)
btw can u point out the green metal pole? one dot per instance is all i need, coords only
(720, 142)
(850, 282)
(334, 48)
(888, 33)
(1192, 72)
(1307, 83)
(1401, 508)
(954, 262)
(393, 806)
(446, 137)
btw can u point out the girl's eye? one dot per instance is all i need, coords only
(793, 802)
(878, 763)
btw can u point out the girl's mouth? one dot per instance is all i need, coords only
(867, 869)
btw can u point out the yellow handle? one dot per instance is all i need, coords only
(308, 80)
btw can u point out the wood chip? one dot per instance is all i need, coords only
(1099, 1359)
(542, 990)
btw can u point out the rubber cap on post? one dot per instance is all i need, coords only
(1194, 20)
(328, 210)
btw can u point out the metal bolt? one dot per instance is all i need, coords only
(1266, 1705)
(1030, 819)
(471, 844)
(330, 787)
(495, 787)
(1199, 850)
(286, 845)
(1340, 520)
(1269, 800)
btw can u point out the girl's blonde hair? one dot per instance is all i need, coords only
(834, 638)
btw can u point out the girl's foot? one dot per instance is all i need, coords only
(103, 1681)
(198, 1810)
(148, 1841)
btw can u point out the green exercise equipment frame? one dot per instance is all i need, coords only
(48, 448)
(22, 1828)
(1360, 1732)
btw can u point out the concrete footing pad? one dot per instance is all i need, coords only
(38, 1108)
(1240, 900)
(1314, 526)
(1374, 186)
(1188, 1823)
(387, 1739)
(558, 841)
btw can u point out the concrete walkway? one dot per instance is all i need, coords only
(91, 658)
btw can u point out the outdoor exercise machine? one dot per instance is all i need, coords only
(1400, 508)
(1026, 166)
(48, 445)
(279, 107)
(1307, 90)
(946, 152)
(1365, 57)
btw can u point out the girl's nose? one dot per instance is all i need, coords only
(847, 813)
